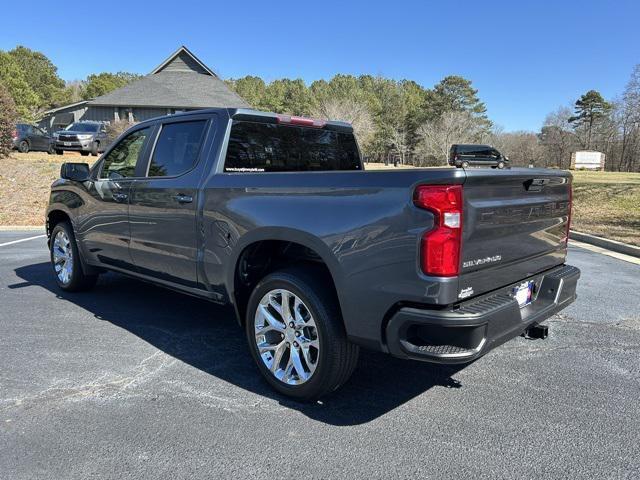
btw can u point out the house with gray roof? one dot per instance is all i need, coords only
(180, 83)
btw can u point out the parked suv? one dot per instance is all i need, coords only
(84, 137)
(28, 137)
(481, 155)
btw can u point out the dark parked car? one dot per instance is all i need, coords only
(274, 215)
(84, 137)
(29, 137)
(479, 155)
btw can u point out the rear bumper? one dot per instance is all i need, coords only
(468, 330)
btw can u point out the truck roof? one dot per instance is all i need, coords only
(250, 114)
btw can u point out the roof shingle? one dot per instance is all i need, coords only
(173, 89)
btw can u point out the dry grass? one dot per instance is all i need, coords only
(25, 179)
(605, 203)
(581, 177)
(607, 209)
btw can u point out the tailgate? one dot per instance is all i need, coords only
(515, 225)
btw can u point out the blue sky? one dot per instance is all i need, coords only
(526, 58)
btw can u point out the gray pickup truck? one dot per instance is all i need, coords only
(275, 215)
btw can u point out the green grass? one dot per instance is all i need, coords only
(607, 204)
(606, 177)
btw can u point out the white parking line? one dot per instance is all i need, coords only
(604, 251)
(21, 240)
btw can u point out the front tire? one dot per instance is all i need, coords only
(66, 262)
(296, 335)
(465, 164)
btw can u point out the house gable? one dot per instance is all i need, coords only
(182, 60)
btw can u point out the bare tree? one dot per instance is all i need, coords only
(628, 112)
(437, 136)
(399, 140)
(556, 139)
(351, 111)
(75, 88)
(522, 148)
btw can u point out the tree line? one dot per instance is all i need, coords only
(32, 81)
(395, 120)
(405, 122)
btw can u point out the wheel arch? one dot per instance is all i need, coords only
(56, 215)
(281, 247)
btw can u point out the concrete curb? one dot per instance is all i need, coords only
(605, 243)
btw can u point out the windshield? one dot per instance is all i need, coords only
(83, 127)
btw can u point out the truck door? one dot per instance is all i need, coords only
(105, 229)
(163, 204)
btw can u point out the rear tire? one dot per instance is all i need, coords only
(94, 148)
(23, 146)
(59, 152)
(500, 165)
(51, 150)
(314, 321)
(465, 164)
(66, 261)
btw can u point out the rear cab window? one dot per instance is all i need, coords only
(270, 147)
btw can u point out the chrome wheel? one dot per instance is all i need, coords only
(62, 257)
(286, 337)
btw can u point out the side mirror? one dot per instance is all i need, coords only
(78, 172)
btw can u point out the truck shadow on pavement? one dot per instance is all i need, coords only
(207, 337)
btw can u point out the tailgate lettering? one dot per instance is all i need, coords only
(481, 261)
(518, 214)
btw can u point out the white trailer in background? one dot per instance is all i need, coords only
(587, 160)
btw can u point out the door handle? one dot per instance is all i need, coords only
(180, 198)
(120, 197)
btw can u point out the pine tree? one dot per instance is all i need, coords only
(590, 109)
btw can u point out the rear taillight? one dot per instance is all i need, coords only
(440, 246)
(305, 122)
(14, 134)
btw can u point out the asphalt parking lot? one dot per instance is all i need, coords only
(133, 381)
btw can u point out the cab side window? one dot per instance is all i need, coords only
(177, 148)
(121, 161)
